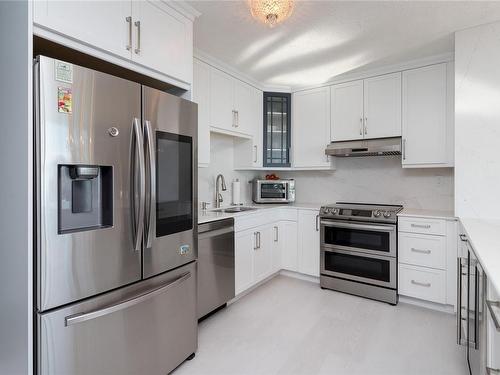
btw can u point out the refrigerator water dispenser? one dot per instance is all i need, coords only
(85, 197)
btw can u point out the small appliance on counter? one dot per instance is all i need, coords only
(273, 190)
(358, 249)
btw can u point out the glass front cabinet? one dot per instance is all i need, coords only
(277, 126)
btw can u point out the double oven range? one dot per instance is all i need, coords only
(359, 249)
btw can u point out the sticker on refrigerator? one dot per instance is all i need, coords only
(64, 71)
(64, 100)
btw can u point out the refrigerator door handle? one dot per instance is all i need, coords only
(152, 184)
(83, 317)
(138, 222)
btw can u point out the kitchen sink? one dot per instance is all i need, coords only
(235, 209)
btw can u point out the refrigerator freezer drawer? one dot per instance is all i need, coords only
(148, 328)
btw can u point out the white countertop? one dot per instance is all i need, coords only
(209, 215)
(435, 214)
(484, 238)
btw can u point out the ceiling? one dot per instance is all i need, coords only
(324, 39)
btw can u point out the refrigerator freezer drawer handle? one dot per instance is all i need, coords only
(151, 221)
(79, 318)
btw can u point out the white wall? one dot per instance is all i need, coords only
(377, 180)
(477, 121)
(366, 179)
(16, 331)
(222, 161)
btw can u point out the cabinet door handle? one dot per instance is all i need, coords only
(129, 21)
(404, 149)
(237, 119)
(256, 153)
(276, 235)
(258, 236)
(317, 223)
(138, 25)
(366, 125)
(427, 285)
(255, 246)
(426, 226)
(420, 251)
(361, 126)
(234, 118)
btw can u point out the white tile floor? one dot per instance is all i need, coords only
(290, 326)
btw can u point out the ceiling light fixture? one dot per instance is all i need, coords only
(271, 12)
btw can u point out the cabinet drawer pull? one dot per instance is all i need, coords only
(129, 21)
(427, 285)
(138, 25)
(420, 251)
(426, 226)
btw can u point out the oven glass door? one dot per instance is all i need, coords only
(369, 238)
(174, 181)
(378, 270)
(273, 191)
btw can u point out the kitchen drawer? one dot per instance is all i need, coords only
(424, 283)
(424, 226)
(422, 250)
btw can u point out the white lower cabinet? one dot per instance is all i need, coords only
(262, 252)
(308, 239)
(243, 263)
(427, 253)
(288, 246)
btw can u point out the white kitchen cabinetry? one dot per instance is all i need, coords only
(365, 109)
(263, 252)
(162, 39)
(427, 126)
(222, 113)
(311, 128)
(244, 243)
(309, 242)
(152, 34)
(428, 250)
(201, 95)
(289, 248)
(382, 106)
(347, 111)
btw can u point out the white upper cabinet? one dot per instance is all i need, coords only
(365, 109)
(152, 34)
(201, 96)
(222, 113)
(311, 128)
(347, 111)
(427, 128)
(162, 39)
(382, 106)
(102, 24)
(257, 124)
(244, 107)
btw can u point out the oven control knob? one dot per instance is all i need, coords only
(377, 213)
(387, 214)
(326, 210)
(335, 211)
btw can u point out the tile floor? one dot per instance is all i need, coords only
(291, 326)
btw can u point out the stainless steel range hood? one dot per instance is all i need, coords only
(369, 147)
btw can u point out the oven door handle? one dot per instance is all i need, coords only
(373, 227)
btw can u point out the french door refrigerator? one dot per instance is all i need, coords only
(116, 224)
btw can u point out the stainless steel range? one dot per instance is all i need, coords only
(359, 249)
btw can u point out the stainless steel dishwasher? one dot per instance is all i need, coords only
(215, 265)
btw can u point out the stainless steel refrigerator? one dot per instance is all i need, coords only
(116, 224)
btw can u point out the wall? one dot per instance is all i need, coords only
(376, 180)
(477, 121)
(16, 331)
(368, 179)
(222, 161)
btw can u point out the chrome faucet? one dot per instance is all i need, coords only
(218, 195)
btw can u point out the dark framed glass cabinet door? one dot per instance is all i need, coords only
(277, 126)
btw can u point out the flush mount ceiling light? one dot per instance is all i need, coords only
(271, 12)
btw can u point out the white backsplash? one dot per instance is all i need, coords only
(365, 179)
